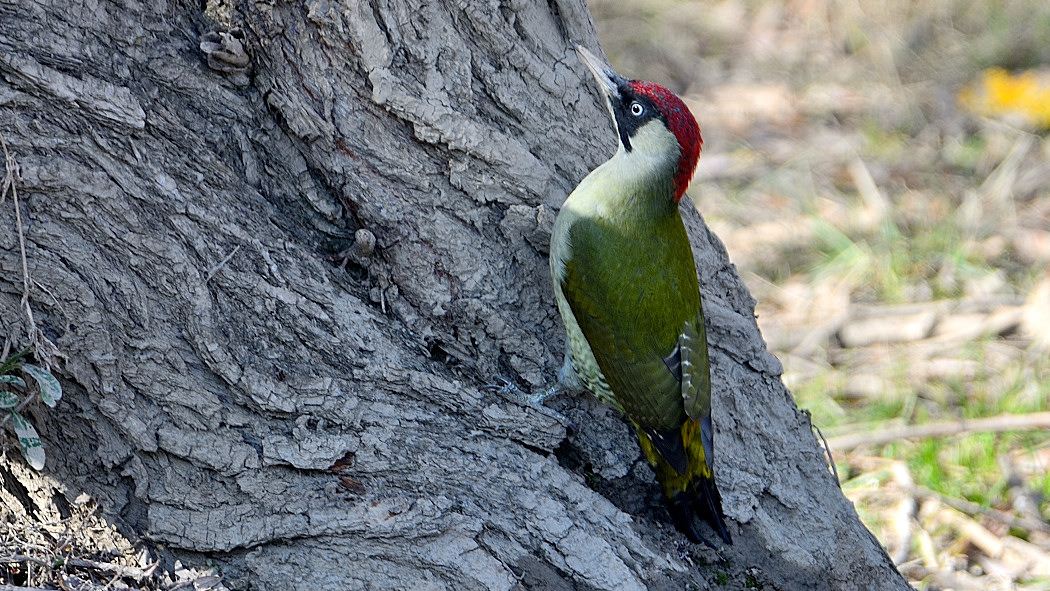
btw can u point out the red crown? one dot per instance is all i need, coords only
(681, 123)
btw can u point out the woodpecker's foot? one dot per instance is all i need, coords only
(533, 399)
(508, 388)
(538, 398)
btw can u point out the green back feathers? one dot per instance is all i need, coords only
(632, 290)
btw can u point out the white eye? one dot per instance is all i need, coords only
(637, 109)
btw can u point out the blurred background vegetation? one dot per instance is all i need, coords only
(880, 174)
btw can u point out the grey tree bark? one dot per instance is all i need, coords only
(250, 380)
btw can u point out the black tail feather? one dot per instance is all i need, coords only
(710, 507)
(681, 510)
(702, 502)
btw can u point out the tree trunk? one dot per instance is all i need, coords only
(248, 379)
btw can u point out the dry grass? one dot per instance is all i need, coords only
(897, 246)
(48, 543)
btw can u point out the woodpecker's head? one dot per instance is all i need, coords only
(652, 122)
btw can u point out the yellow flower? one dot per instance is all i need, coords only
(1022, 98)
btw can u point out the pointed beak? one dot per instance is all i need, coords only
(608, 80)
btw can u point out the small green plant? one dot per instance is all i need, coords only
(16, 393)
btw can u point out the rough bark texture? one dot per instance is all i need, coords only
(237, 390)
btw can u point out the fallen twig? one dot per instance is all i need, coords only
(971, 508)
(131, 572)
(1038, 420)
(1019, 556)
(904, 516)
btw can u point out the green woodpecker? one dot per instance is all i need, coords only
(628, 294)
